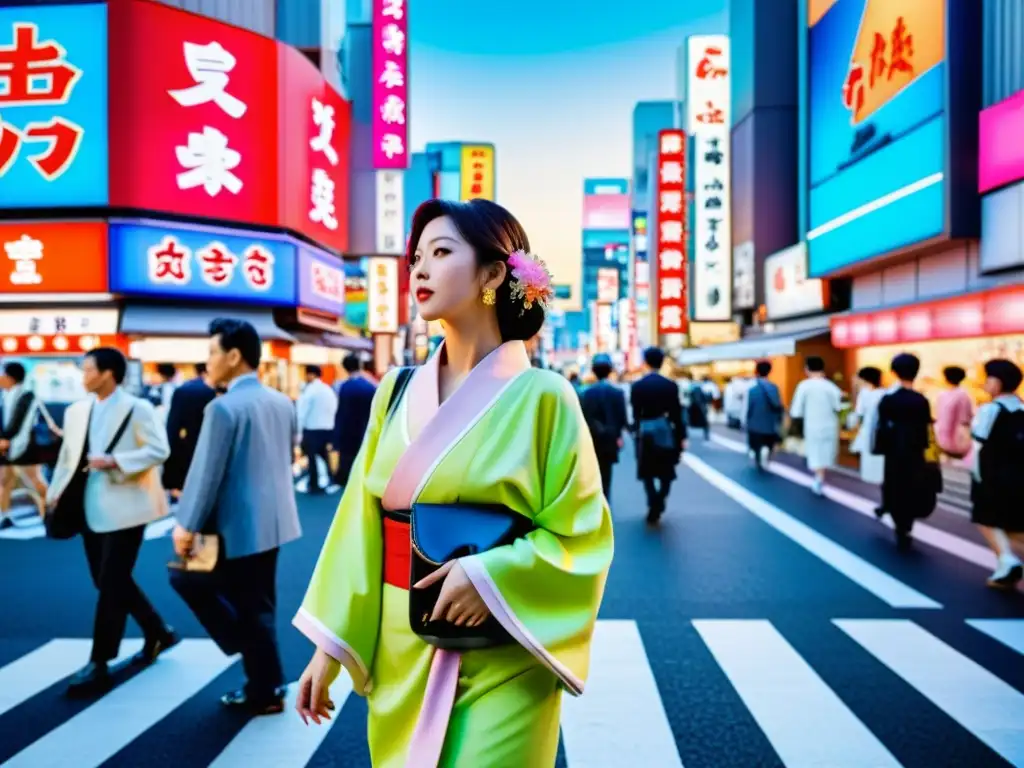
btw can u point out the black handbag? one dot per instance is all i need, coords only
(443, 532)
(67, 517)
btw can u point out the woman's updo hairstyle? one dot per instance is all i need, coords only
(493, 233)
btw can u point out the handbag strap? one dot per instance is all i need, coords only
(401, 382)
(120, 432)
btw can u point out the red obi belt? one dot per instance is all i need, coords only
(397, 549)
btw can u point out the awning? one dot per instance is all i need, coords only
(751, 348)
(152, 320)
(336, 341)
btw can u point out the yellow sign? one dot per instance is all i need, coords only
(708, 334)
(477, 171)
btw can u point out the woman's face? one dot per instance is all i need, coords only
(446, 281)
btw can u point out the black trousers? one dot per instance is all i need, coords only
(345, 462)
(314, 443)
(112, 559)
(657, 489)
(237, 605)
(606, 464)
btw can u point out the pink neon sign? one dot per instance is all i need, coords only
(1000, 149)
(390, 84)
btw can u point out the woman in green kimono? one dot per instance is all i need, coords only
(476, 425)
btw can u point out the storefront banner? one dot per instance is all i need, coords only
(477, 171)
(383, 295)
(53, 257)
(53, 106)
(788, 291)
(390, 212)
(710, 334)
(390, 30)
(877, 133)
(195, 115)
(744, 283)
(601, 212)
(709, 100)
(671, 239)
(179, 261)
(313, 152)
(58, 322)
(608, 285)
(1000, 148)
(989, 313)
(321, 282)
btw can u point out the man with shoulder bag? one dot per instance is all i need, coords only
(106, 487)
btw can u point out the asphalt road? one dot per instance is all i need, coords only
(759, 625)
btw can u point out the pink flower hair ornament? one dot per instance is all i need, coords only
(531, 281)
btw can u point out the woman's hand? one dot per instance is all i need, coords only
(314, 698)
(459, 602)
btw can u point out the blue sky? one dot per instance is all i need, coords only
(552, 85)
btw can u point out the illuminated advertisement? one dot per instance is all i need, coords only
(321, 282)
(603, 212)
(709, 103)
(195, 115)
(181, 261)
(876, 128)
(390, 84)
(673, 268)
(382, 298)
(1000, 148)
(390, 231)
(788, 291)
(53, 257)
(53, 106)
(477, 172)
(608, 285)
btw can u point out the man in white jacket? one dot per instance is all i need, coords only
(119, 440)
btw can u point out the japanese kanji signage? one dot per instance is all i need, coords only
(53, 257)
(709, 100)
(382, 299)
(390, 234)
(671, 238)
(53, 106)
(477, 171)
(390, 31)
(195, 115)
(66, 322)
(321, 282)
(179, 261)
(314, 152)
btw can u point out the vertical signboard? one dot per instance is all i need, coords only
(709, 103)
(390, 84)
(390, 213)
(671, 234)
(477, 171)
(53, 106)
(382, 314)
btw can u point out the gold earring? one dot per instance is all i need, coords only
(490, 297)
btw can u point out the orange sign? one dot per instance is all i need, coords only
(898, 41)
(53, 257)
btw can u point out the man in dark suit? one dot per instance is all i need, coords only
(355, 398)
(184, 419)
(604, 407)
(660, 432)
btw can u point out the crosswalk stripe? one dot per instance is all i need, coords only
(1009, 632)
(619, 719)
(876, 581)
(99, 732)
(283, 741)
(978, 700)
(805, 721)
(45, 666)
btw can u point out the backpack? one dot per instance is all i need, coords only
(1002, 459)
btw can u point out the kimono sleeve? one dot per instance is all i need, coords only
(546, 588)
(340, 613)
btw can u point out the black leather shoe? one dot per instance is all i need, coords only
(239, 700)
(91, 679)
(154, 646)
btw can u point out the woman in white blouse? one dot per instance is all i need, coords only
(872, 466)
(818, 402)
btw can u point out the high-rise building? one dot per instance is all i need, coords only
(606, 235)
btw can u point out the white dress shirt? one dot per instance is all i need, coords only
(317, 406)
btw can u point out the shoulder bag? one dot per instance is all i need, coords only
(66, 519)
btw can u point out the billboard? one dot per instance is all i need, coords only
(321, 281)
(53, 106)
(709, 104)
(194, 115)
(476, 172)
(673, 267)
(182, 261)
(788, 291)
(313, 148)
(54, 257)
(605, 212)
(876, 128)
(390, 30)
(1000, 149)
